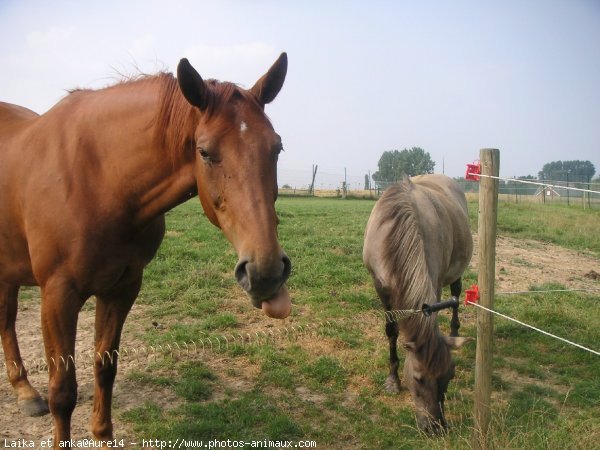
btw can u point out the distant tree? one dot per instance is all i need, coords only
(367, 182)
(394, 164)
(576, 170)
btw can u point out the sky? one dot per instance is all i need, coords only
(364, 77)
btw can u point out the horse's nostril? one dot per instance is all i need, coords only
(241, 275)
(262, 282)
(287, 267)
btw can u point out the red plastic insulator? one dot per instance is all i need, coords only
(472, 294)
(473, 171)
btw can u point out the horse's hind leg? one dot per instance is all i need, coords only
(28, 399)
(455, 290)
(111, 312)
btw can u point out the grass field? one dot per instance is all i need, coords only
(327, 386)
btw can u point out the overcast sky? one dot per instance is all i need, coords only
(364, 77)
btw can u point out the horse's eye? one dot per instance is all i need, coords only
(419, 380)
(205, 155)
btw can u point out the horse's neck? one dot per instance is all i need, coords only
(420, 328)
(168, 191)
(426, 335)
(167, 179)
(149, 178)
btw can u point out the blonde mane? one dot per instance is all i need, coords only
(411, 283)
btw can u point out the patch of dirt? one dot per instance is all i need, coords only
(307, 395)
(522, 263)
(127, 394)
(519, 265)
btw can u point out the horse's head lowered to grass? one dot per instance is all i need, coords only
(427, 378)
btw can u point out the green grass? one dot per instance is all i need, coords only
(327, 386)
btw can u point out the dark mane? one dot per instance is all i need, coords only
(411, 283)
(177, 119)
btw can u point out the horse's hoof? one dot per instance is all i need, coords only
(392, 385)
(33, 407)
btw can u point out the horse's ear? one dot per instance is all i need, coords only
(192, 85)
(269, 85)
(457, 342)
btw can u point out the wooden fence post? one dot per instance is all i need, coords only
(488, 208)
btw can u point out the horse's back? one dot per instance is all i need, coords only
(451, 217)
(14, 117)
(445, 186)
(431, 193)
(10, 111)
(440, 207)
(14, 122)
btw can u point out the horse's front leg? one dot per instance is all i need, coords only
(111, 312)
(455, 290)
(392, 383)
(28, 399)
(60, 309)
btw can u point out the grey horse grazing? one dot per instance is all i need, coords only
(418, 240)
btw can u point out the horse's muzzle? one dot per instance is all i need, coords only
(433, 427)
(264, 284)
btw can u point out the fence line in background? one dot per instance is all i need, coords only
(332, 182)
(536, 329)
(536, 183)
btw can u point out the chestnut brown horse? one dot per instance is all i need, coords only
(83, 193)
(418, 240)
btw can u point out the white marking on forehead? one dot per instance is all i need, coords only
(243, 127)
